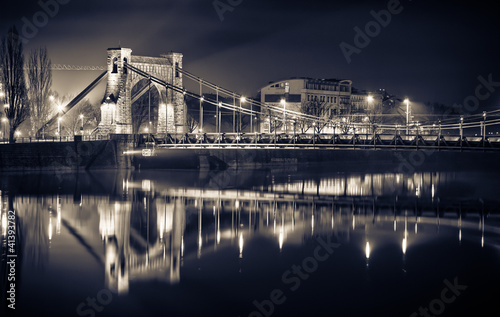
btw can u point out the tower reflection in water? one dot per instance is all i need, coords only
(149, 230)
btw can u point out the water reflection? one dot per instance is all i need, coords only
(145, 227)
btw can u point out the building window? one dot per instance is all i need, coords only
(115, 66)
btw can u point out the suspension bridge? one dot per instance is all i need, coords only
(269, 124)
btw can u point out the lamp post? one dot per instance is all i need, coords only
(81, 128)
(201, 111)
(6, 111)
(484, 126)
(59, 110)
(59, 126)
(4, 120)
(283, 102)
(407, 102)
(370, 102)
(251, 117)
(461, 127)
(242, 99)
(219, 117)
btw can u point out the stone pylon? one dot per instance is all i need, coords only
(116, 106)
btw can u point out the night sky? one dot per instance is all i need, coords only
(429, 51)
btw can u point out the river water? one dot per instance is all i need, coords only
(267, 242)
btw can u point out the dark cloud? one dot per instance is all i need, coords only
(431, 51)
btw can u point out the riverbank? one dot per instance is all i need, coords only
(119, 153)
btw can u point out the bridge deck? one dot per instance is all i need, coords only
(319, 141)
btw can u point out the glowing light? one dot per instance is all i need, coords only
(395, 225)
(281, 238)
(312, 223)
(146, 185)
(243, 99)
(241, 245)
(52, 98)
(50, 229)
(4, 223)
(369, 98)
(404, 245)
(367, 250)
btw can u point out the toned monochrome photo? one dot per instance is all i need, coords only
(249, 158)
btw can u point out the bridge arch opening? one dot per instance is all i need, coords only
(145, 109)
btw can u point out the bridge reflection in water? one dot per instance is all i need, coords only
(143, 229)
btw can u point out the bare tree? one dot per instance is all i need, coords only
(13, 80)
(39, 84)
(191, 123)
(79, 117)
(316, 109)
(275, 124)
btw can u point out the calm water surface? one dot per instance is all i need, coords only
(254, 243)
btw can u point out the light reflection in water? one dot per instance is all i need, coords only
(151, 230)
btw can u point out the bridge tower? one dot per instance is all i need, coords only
(116, 106)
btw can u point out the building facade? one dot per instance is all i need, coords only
(330, 99)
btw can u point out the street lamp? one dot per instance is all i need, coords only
(81, 128)
(59, 126)
(370, 101)
(407, 102)
(283, 102)
(484, 125)
(242, 99)
(219, 117)
(461, 128)
(4, 120)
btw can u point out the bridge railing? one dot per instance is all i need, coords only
(282, 140)
(67, 138)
